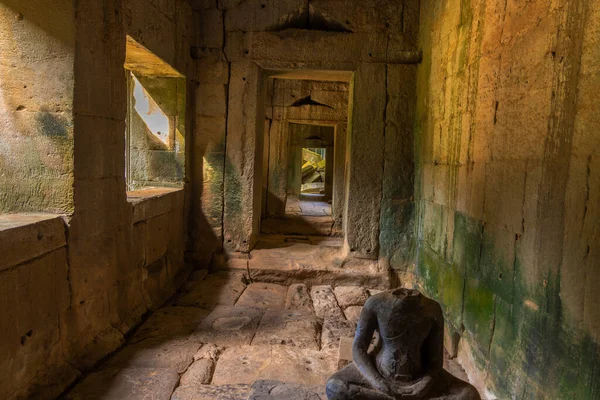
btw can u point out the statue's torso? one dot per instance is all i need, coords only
(402, 331)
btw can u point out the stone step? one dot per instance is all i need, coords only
(304, 259)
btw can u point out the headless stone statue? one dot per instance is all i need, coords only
(407, 363)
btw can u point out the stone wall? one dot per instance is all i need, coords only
(76, 285)
(36, 102)
(508, 186)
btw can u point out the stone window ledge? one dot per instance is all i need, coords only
(154, 201)
(27, 236)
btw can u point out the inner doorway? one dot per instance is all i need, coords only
(309, 187)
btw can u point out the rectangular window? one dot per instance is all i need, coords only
(155, 151)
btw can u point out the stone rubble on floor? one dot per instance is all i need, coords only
(222, 338)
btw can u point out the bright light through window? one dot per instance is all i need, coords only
(150, 112)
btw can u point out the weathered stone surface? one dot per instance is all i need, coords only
(216, 289)
(298, 298)
(333, 330)
(255, 15)
(287, 327)
(246, 364)
(245, 135)
(263, 295)
(352, 313)
(170, 323)
(345, 352)
(229, 326)
(351, 296)
(29, 236)
(128, 383)
(210, 392)
(298, 225)
(277, 390)
(172, 354)
(288, 262)
(211, 100)
(201, 371)
(325, 303)
(367, 133)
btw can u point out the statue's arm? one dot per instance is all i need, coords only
(365, 329)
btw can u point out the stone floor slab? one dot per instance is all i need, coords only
(352, 313)
(170, 322)
(217, 289)
(174, 354)
(285, 262)
(201, 371)
(333, 330)
(288, 327)
(277, 390)
(263, 295)
(229, 326)
(247, 364)
(209, 392)
(128, 383)
(298, 298)
(351, 296)
(325, 303)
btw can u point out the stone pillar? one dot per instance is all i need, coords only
(365, 166)
(244, 157)
(278, 164)
(339, 175)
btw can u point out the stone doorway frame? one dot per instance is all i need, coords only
(364, 162)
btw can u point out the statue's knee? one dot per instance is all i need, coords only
(337, 389)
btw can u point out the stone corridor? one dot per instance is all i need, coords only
(197, 197)
(223, 337)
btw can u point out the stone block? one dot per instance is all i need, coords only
(309, 49)
(263, 295)
(333, 330)
(247, 364)
(351, 296)
(128, 383)
(101, 150)
(276, 390)
(212, 67)
(211, 28)
(170, 322)
(157, 238)
(266, 15)
(211, 392)
(228, 326)
(155, 283)
(345, 352)
(325, 303)
(152, 202)
(363, 16)
(292, 328)
(211, 100)
(29, 236)
(33, 298)
(174, 354)
(216, 289)
(298, 298)
(201, 371)
(352, 313)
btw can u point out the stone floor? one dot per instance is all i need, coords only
(295, 206)
(221, 333)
